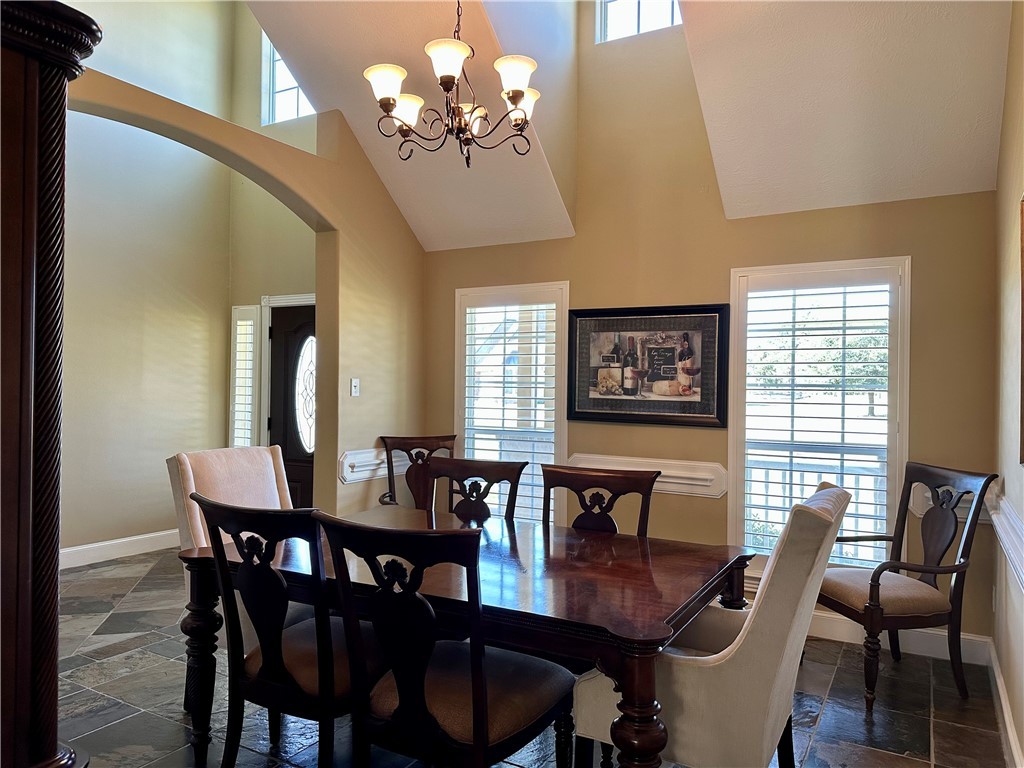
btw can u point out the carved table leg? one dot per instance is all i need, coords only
(638, 732)
(201, 625)
(732, 596)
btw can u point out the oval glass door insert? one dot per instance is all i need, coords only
(305, 394)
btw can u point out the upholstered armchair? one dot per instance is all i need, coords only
(726, 683)
(245, 477)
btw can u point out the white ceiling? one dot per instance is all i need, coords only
(814, 105)
(503, 198)
(807, 105)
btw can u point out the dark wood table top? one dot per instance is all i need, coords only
(637, 589)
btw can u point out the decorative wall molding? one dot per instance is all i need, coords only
(1009, 529)
(920, 502)
(368, 464)
(86, 554)
(688, 478)
(1005, 711)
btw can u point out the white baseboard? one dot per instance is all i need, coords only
(87, 554)
(1006, 724)
(976, 649)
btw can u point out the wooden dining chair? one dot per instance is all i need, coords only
(883, 599)
(419, 451)
(596, 514)
(301, 670)
(443, 702)
(472, 481)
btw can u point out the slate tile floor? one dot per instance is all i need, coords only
(122, 671)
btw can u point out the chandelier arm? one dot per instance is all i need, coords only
(513, 137)
(390, 121)
(497, 124)
(437, 118)
(406, 142)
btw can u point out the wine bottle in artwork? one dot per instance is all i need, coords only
(616, 349)
(629, 365)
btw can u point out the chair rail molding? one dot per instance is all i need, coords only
(368, 464)
(686, 478)
(921, 503)
(1009, 529)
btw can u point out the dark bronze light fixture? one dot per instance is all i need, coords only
(468, 122)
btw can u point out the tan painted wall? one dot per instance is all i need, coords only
(650, 231)
(375, 321)
(272, 251)
(1009, 620)
(145, 355)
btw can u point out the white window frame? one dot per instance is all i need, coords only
(268, 85)
(556, 293)
(810, 275)
(601, 34)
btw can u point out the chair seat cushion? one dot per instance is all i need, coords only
(899, 595)
(298, 650)
(520, 690)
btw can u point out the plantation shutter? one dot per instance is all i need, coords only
(510, 392)
(244, 322)
(820, 389)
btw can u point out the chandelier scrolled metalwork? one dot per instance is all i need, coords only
(467, 123)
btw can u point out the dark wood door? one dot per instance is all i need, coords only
(292, 395)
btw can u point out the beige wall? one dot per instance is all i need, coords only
(272, 251)
(146, 278)
(1009, 619)
(650, 231)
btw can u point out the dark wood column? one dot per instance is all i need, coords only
(43, 45)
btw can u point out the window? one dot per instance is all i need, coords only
(625, 18)
(243, 382)
(283, 99)
(817, 395)
(510, 377)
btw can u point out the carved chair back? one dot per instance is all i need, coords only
(939, 524)
(419, 451)
(257, 535)
(472, 480)
(403, 620)
(596, 514)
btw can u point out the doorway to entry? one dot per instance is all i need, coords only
(291, 412)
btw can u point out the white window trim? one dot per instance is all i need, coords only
(503, 295)
(267, 303)
(266, 77)
(737, 385)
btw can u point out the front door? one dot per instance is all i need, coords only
(292, 421)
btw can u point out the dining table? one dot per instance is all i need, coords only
(611, 599)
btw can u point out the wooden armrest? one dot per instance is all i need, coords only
(386, 499)
(898, 565)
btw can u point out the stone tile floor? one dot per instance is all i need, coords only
(122, 672)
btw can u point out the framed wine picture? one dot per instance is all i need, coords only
(650, 365)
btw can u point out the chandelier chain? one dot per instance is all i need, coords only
(458, 20)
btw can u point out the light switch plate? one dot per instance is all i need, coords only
(354, 387)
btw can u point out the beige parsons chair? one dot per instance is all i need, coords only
(726, 683)
(243, 477)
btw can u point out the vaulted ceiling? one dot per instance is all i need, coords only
(807, 105)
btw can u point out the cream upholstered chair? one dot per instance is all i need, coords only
(243, 477)
(726, 684)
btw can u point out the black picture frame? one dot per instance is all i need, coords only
(697, 400)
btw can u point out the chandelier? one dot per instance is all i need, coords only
(467, 122)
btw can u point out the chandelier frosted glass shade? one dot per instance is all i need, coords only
(515, 72)
(386, 81)
(447, 55)
(407, 110)
(467, 123)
